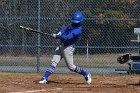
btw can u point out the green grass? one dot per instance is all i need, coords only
(97, 60)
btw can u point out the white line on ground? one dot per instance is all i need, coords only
(31, 91)
(42, 90)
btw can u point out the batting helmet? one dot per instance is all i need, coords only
(77, 17)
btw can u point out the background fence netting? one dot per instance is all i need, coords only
(107, 33)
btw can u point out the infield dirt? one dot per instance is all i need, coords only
(68, 83)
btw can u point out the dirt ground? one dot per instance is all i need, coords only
(68, 83)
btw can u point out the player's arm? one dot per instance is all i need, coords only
(59, 33)
(71, 35)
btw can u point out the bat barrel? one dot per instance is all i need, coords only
(25, 28)
(33, 30)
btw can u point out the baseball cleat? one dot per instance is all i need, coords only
(43, 80)
(88, 78)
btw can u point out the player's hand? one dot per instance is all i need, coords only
(59, 33)
(53, 35)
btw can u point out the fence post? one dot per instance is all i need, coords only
(87, 50)
(38, 41)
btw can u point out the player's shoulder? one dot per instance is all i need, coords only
(77, 30)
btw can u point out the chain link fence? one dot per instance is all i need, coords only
(107, 33)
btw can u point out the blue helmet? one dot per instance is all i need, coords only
(77, 17)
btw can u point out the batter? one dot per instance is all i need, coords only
(68, 36)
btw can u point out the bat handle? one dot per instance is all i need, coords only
(48, 34)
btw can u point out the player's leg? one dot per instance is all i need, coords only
(55, 60)
(68, 57)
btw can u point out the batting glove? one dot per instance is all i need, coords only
(59, 33)
(53, 35)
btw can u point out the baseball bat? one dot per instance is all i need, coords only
(33, 30)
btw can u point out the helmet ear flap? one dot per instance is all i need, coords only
(77, 17)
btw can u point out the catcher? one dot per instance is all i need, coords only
(125, 58)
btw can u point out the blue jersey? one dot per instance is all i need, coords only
(70, 35)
